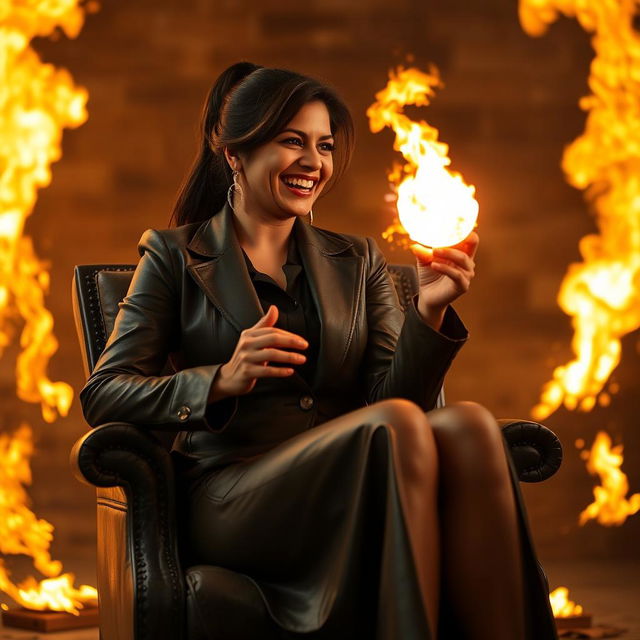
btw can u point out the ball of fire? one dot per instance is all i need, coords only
(435, 206)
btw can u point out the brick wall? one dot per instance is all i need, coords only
(508, 109)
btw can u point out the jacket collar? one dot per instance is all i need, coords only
(334, 275)
(217, 235)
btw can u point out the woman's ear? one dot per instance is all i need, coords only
(232, 159)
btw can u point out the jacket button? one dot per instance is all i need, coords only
(306, 402)
(184, 412)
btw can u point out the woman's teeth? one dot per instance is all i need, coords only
(299, 183)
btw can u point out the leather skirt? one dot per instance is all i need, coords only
(318, 526)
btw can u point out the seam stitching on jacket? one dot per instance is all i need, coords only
(358, 293)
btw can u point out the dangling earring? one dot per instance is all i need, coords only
(310, 216)
(233, 188)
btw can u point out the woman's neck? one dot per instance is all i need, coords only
(261, 234)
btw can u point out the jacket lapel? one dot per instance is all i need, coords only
(334, 276)
(223, 276)
(335, 280)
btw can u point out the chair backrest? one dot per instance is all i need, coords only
(96, 291)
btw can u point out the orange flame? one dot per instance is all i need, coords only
(54, 594)
(601, 293)
(561, 606)
(22, 533)
(436, 207)
(611, 506)
(38, 101)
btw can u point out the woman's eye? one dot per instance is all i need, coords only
(324, 146)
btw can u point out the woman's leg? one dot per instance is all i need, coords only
(481, 553)
(416, 459)
(251, 516)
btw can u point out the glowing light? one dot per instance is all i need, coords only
(56, 594)
(600, 293)
(561, 606)
(435, 206)
(611, 505)
(22, 533)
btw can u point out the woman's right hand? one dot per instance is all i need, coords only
(256, 348)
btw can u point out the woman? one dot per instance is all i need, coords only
(300, 391)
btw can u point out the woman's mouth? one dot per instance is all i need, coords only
(302, 187)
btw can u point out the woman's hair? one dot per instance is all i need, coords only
(246, 107)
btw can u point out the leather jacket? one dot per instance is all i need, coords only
(191, 296)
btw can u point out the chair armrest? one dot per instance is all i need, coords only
(123, 455)
(535, 449)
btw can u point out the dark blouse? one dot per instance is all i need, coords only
(297, 311)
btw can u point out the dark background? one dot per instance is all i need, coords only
(508, 109)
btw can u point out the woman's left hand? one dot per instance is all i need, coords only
(444, 274)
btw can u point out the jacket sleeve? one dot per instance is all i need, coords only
(126, 384)
(405, 357)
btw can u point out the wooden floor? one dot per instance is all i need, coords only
(610, 591)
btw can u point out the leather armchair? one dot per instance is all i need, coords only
(147, 590)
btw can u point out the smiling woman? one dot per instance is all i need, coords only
(312, 456)
(283, 120)
(285, 176)
(311, 114)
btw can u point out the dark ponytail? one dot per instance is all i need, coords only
(204, 190)
(248, 106)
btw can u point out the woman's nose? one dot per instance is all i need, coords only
(311, 159)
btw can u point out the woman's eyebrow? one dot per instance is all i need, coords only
(302, 134)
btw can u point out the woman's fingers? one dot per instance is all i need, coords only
(269, 318)
(459, 276)
(470, 244)
(276, 338)
(256, 371)
(424, 254)
(449, 255)
(455, 255)
(276, 355)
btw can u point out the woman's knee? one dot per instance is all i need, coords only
(467, 430)
(473, 415)
(472, 451)
(464, 419)
(403, 416)
(411, 432)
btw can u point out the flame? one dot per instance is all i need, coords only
(600, 293)
(22, 533)
(611, 506)
(37, 101)
(54, 594)
(561, 606)
(435, 206)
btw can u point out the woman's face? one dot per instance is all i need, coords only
(283, 177)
